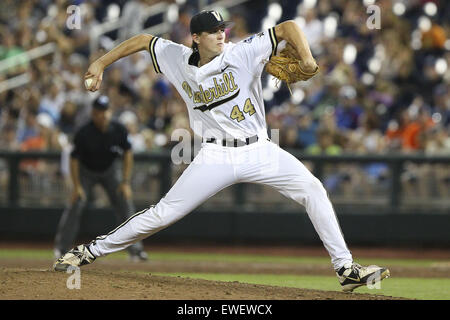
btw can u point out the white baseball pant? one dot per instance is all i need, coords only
(215, 168)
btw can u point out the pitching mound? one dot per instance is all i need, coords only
(35, 284)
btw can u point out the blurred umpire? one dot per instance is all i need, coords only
(96, 146)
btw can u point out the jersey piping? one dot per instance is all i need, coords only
(274, 41)
(151, 49)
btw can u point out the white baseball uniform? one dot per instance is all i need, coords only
(224, 101)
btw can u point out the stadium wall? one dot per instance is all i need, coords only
(418, 229)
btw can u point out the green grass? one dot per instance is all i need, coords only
(182, 256)
(413, 288)
(26, 254)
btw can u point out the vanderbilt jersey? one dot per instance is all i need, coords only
(223, 97)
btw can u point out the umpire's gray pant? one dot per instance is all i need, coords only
(70, 220)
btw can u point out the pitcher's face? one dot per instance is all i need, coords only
(211, 41)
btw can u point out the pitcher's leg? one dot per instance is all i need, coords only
(197, 183)
(294, 180)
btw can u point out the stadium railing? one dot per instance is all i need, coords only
(28, 179)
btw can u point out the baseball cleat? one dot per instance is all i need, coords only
(353, 275)
(78, 256)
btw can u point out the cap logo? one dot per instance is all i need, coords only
(216, 15)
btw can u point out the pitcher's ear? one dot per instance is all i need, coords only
(195, 38)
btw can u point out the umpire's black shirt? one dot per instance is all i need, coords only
(97, 150)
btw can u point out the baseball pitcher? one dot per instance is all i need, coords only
(221, 85)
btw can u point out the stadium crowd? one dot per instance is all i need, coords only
(379, 90)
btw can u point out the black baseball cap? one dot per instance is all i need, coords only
(207, 21)
(101, 103)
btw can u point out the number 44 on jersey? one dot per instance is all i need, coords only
(238, 115)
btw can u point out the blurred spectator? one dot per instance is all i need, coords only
(8, 139)
(414, 131)
(42, 139)
(181, 29)
(52, 102)
(10, 50)
(313, 30)
(441, 105)
(368, 137)
(28, 126)
(131, 68)
(437, 141)
(136, 138)
(289, 137)
(434, 38)
(306, 131)
(348, 110)
(132, 18)
(325, 145)
(240, 29)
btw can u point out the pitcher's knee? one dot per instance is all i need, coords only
(159, 217)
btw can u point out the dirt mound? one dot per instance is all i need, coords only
(95, 284)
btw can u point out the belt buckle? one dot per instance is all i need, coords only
(230, 143)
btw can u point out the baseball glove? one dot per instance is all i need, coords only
(287, 66)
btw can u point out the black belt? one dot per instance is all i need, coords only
(232, 142)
